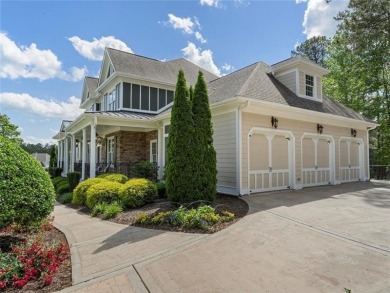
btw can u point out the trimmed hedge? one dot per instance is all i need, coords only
(63, 187)
(58, 180)
(138, 192)
(104, 192)
(161, 190)
(80, 192)
(145, 169)
(26, 192)
(114, 177)
(55, 172)
(73, 179)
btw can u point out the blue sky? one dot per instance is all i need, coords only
(46, 47)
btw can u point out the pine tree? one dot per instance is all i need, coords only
(180, 165)
(205, 175)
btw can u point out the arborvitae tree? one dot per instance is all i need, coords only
(205, 175)
(53, 157)
(180, 166)
(191, 93)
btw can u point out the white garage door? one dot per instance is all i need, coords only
(269, 162)
(350, 160)
(316, 160)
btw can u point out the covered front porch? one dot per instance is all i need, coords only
(98, 143)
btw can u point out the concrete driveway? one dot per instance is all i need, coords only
(320, 239)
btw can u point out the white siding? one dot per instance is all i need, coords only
(225, 147)
(289, 80)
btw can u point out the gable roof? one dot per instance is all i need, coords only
(156, 70)
(257, 82)
(65, 124)
(92, 83)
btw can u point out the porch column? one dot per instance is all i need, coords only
(160, 142)
(58, 153)
(63, 154)
(84, 155)
(92, 159)
(73, 152)
(66, 156)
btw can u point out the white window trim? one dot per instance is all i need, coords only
(315, 96)
(150, 152)
(107, 149)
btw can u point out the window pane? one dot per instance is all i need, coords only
(169, 97)
(135, 96)
(126, 94)
(166, 129)
(153, 99)
(161, 98)
(145, 98)
(97, 106)
(118, 94)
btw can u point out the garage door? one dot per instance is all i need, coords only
(350, 160)
(316, 160)
(269, 162)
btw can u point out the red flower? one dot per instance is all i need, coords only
(3, 285)
(47, 280)
(20, 284)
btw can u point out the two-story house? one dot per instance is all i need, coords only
(273, 127)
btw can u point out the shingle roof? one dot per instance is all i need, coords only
(92, 83)
(156, 70)
(257, 82)
(124, 114)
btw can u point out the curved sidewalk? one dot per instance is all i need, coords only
(103, 253)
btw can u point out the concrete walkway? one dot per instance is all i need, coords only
(320, 239)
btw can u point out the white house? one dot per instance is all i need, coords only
(273, 127)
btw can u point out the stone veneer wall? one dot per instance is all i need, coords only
(131, 146)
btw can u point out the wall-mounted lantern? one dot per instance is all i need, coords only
(77, 143)
(274, 122)
(353, 132)
(320, 128)
(99, 140)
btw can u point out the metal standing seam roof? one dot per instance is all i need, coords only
(156, 70)
(124, 114)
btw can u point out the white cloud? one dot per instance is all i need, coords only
(319, 17)
(200, 38)
(186, 25)
(31, 62)
(227, 67)
(201, 58)
(35, 140)
(44, 108)
(214, 3)
(94, 49)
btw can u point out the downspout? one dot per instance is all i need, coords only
(241, 106)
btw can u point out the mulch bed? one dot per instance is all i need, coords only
(222, 203)
(62, 278)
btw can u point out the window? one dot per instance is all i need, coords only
(126, 94)
(145, 98)
(97, 107)
(110, 150)
(309, 85)
(153, 99)
(153, 151)
(169, 97)
(135, 91)
(111, 100)
(162, 99)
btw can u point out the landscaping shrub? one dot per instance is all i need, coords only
(115, 177)
(202, 217)
(66, 198)
(62, 188)
(80, 192)
(138, 192)
(161, 189)
(57, 180)
(107, 210)
(103, 192)
(146, 170)
(73, 179)
(55, 172)
(26, 193)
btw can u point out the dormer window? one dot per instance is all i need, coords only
(309, 85)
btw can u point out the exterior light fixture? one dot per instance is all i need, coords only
(77, 142)
(320, 128)
(99, 141)
(274, 122)
(353, 132)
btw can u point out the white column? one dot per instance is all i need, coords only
(92, 159)
(63, 154)
(58, 153)
(66, 154)
(73, 152)
(160, 142)
(84, 156)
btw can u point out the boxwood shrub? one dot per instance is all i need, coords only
(63, 187)
(58, 180)
(26, 193)
(104, 192)
(138, 192)
(115, 177)
(80, 192)
(73, 179)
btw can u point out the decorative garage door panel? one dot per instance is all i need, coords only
(350, 163)
(316, 161)
(268, 162)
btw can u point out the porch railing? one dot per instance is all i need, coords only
(380, 172)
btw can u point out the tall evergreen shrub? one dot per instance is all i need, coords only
(180, 166)
(205, 175)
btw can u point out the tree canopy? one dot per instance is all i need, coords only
(315, 48)
(9, 130)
